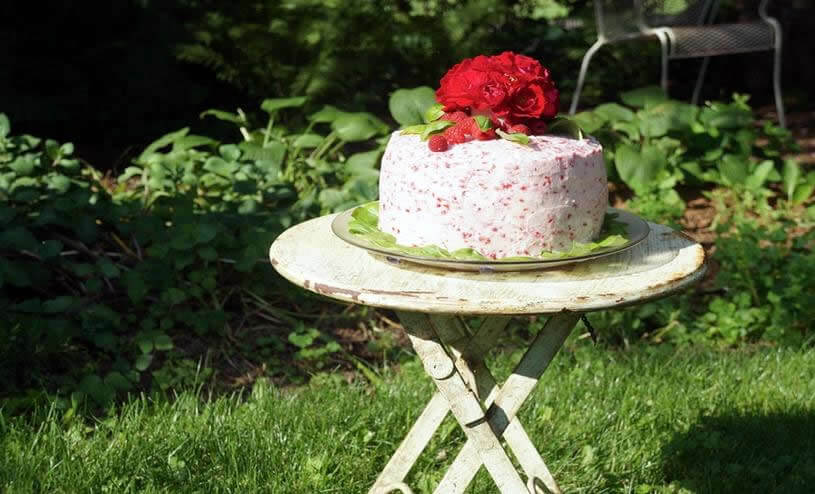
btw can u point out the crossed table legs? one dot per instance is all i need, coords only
(453, 357)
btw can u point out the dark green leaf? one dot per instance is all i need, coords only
(135, 285)
(639, 168)
(408, 106)
(224, 115)
(756, 179)
(589, 121)
(272, 105)
(58, 183)
(143, 361)
(733, 169)
(644, 97)
(327, 114)
(802, 193)
(613, 112)
(94, 387)
(354, 127)
(60, 304)
(162, 342)
(790, 173)
(161, 142)
(308, 140)
(117, 381)
(189, 142)
(230, 152)
(18, 238)
(5, 125)
(24, 165)
(108, 269)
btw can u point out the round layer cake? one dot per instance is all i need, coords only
(497, 197)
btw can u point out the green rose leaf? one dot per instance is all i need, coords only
(434, 113)
(484, 123)
(516, 137)
(435, 128)
(272, 105)
(408, 106)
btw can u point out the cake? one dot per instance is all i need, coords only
(452, 182)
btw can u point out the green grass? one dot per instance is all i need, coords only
(646, 420)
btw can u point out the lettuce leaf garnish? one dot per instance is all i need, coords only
(365, 224)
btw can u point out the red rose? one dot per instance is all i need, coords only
(509, 88)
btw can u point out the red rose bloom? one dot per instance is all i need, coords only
(509, 88)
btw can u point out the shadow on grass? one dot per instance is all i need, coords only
(745, 453)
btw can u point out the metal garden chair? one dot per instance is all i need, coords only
(685, 29)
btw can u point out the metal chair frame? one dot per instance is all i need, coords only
(665, 32)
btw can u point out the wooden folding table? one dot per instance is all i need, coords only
(430, 303)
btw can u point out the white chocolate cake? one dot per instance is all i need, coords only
(500, 198)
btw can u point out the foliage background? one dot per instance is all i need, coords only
(135, 259)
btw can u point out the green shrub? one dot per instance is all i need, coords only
(102, 279)
(360, 50)
(653, 144)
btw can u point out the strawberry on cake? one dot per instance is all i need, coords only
(483, 174)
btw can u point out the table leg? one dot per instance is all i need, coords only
(501, 412)
(408, 452)
(412, 446)
(465, 405)
(453, 357)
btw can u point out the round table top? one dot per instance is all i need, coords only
(312, 256)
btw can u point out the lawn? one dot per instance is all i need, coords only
(650, 419)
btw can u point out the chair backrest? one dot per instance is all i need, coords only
(676, 12)
(625, 18)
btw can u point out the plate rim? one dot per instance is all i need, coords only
(487, 263)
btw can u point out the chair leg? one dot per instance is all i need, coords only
(582, 77)
(663, 41)
(700, 80)
(779, 101)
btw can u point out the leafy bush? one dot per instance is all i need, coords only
(366, 48)
(763, 288)
(653, 144)
(101, 278)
